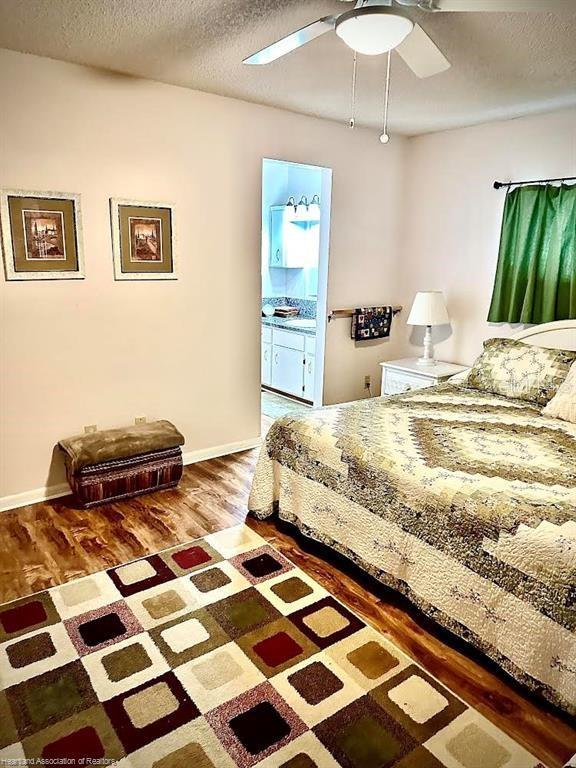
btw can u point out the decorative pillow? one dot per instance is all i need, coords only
(513, 369)
(460, 379)
(563, 404)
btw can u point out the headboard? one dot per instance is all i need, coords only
(560, 334)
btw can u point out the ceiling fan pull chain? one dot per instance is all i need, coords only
(384, 138)
(353, 106)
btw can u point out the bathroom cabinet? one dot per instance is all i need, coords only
(288, 361)
(294, 241)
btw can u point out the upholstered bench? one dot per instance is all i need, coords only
(121, 463)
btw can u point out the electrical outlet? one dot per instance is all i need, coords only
(367, 382)
(90, 428)
(140, 420)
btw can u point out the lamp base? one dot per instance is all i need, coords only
(428, 358)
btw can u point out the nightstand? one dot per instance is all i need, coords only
(402, 375)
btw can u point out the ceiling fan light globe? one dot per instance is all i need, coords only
(372, 32)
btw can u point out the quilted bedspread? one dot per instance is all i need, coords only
(462, 500)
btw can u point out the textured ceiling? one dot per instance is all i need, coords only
(503, 65)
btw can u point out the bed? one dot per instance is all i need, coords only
(463, 501)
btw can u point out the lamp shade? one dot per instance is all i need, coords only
(428, 309)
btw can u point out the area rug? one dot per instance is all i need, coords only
(221, 653)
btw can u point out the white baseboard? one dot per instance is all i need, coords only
(63, 489)
(193, 457)
(31, 497)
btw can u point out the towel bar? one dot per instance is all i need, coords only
(335, 313)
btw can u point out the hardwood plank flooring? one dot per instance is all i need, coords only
(50, 543)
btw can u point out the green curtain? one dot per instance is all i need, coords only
(536, 272)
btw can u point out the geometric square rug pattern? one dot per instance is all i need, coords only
(221, 653)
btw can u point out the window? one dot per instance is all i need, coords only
(536, 272)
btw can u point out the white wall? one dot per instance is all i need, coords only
(452, 216)
(356, 279)
(102, 352)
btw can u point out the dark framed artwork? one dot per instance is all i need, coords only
(142, 240)
(41, 235)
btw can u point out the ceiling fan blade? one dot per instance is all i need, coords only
(501, 6)
(293, 41)
(422, 54)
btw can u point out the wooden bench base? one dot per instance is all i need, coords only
(125, 478)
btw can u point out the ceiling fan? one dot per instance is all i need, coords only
(374, 27)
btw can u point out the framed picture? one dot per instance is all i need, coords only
(142, 240)
(41, 235)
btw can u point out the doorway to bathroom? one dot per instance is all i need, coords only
(296, 201)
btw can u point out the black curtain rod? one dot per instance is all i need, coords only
(499, 184)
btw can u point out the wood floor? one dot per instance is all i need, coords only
(50, 543)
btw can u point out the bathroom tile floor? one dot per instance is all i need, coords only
(275, 406)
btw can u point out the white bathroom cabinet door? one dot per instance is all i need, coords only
(288, 370)
(277, 255)
(294, 241)
(266, 363)
(309, 376)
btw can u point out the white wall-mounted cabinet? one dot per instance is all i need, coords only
(288, 362)
(294, 240)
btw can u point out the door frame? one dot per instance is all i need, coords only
(323, 263)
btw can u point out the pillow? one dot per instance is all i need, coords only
(563, 404)
(513, 369)
(460, 379)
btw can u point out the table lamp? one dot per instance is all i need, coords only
(428, 309)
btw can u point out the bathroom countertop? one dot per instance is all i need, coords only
(286, 325)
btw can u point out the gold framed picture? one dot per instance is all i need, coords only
(142, 240)
(41, 235)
